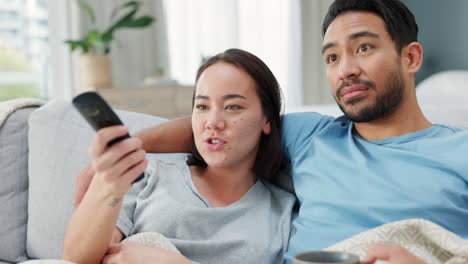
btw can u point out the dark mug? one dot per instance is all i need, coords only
(322, 257)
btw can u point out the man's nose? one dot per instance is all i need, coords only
(349, 69)
(216, 120)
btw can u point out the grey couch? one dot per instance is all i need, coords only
(41, 152)
(43, 149)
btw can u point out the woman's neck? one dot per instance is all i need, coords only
(222, 186)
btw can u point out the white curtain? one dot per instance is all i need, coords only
(285, 34)
(135, 53)
(316, 89)
(60, 70)
(266, 28)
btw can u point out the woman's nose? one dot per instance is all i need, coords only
(216, 121)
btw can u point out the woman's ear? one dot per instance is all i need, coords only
(412, 56)
(267, 128)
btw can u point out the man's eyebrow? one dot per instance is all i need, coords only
(225, 97)
(327, 46)
(202, 97)
(363, 34)
(352, 37)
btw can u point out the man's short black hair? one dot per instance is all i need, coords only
(398, 19)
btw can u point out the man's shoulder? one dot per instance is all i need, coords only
(309, 119)
(306, 124)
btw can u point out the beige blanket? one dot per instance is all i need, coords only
(8, 107)
(425, 239)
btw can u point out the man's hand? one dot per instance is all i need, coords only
(132, 252)
(394, 254)
(83, 180)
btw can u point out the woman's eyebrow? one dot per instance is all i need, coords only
(225, 97)
(231, 96)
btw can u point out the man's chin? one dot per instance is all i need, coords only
(356, 113)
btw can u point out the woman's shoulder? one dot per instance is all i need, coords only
(278, 194)
(163, 165)
(166, 159)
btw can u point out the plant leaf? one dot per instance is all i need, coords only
(125, 19)
(139, 22)
(88, 9)
(74, 44)
(134, 4)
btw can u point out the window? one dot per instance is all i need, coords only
(24, 49)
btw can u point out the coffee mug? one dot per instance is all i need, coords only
(322, 257)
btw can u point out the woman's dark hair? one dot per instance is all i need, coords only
(270, 157)
(399, 20)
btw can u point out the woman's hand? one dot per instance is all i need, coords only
(116, 167)
(394, 254)
(132, 252)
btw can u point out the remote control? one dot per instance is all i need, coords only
(99, 115)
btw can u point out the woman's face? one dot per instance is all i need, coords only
(227, 118)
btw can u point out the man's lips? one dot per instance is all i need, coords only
(354, 90)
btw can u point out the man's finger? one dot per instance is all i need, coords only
(113, 249)
(377, 251)
(392, 253)
(83, 180)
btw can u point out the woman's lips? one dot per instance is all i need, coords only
(214, 144)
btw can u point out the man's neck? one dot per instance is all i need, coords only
(407, 118)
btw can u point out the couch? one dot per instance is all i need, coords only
(42, 149)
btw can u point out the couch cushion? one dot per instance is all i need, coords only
(447, 87)
(454, 114)
(14, 184)
(58, 144)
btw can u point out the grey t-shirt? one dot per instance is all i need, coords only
(254, 229)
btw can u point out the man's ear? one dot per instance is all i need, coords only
(412, 57)
(267, 128)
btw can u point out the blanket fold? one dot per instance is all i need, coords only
(429, 241)
(10, 106)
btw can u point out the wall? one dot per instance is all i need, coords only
(315, 85)
(443, 33)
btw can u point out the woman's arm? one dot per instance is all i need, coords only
(90, 231)
(172, 136)
(168, 137)
(131, 252)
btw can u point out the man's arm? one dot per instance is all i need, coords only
(171, 136)
(168, 137)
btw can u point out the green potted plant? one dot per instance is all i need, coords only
(95, 64)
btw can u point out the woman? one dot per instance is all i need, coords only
(216, 207)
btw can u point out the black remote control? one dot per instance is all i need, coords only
(99, 115)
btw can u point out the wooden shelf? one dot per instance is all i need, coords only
(164, 101)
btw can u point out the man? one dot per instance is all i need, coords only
(381, 162)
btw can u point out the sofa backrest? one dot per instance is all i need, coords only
(14, 185)
(58, 142)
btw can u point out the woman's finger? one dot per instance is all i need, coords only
(131, 174)
(114, 155)
(103, 137)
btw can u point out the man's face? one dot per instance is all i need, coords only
(363, 66)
